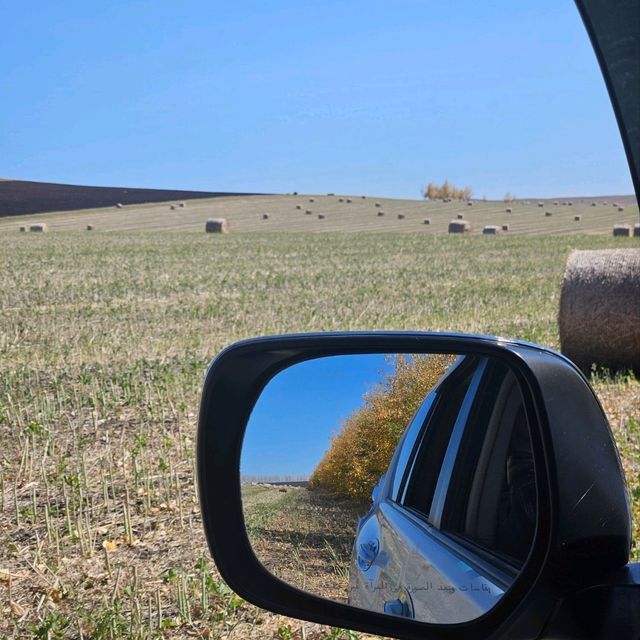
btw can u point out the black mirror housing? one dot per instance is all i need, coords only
(583, 530)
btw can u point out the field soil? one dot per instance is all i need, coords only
(303, 536)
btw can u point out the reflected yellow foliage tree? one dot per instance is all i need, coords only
(361, 451)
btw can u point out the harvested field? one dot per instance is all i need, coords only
(244, 214)
(104, 340)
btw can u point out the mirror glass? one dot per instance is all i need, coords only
(398, 483)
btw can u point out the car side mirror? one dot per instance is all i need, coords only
(495, 481)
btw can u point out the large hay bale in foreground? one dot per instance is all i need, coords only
(621, 230)
(39, 227)
(599, 317)
(460, 226)
(217, 225)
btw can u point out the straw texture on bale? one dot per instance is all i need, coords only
(40, 227)
(599, 317)
(491, 230)
(217, 225)
(621, 230)
(460, 226)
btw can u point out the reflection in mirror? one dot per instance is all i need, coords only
(398, 483)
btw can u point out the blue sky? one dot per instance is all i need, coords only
(315, 96)
(301, 408)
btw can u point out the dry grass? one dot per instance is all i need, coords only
(103, 342)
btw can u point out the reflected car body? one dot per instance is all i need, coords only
(442, 543)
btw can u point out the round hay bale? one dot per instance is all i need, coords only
(620, 208)
(308, 212)
(548, 214)
(295, 193)
(460, 216)
(470, 204)
(599, 316)
(183, 204)
(340, 199)
(311, 200)
(364, 197)
(331, 194)
(173, 207)
(577, 218)
(299, 207)
(217, 225)
(23, 229)
(621, 230)
(460, 226)
(380, 213)
(90, 227)
(555, 203)
(636, 230)
(615, 204)
(39, 227)
(426, 221)
(348, 200)
(541, 204)
(401, 216)
(604, 202)
(378, 204)
(119, 205)
(506, 227)
(570, 204)
(508, 210)
(593, 204)
(491, 230)
(265, 216)
(321, 216)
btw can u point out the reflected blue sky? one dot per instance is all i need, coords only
(301, 408)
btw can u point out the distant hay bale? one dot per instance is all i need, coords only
(508, 210)
(331, 194)
(299, 207)
(348, 200)
(308, 212)
(470, 204)
(183, 204)
(401, 216)
(570, 204)
(604, 202)
(23, 229)
(460, 226)
(491, 230)
(556, 203)
(364, 197)
(119, 205)
(622, 230)
(90, 227)
(615, 204)
(39, 227)
(426, 221)
(548, 214)
(506, 227)
(173, 207)
(541, 204)
(620, 208)
(295, 193)
(311, 200)
(599, 316)
(577, 218)
(636, 230)
(380, 213)
(321, 216)
(564, 204)
(265, 216)
(594, 204)
(340, 199)
(378, 204)
(217, 225)
(460, 216)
